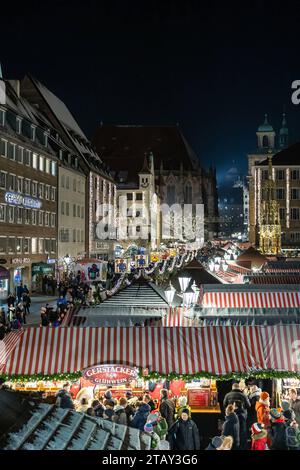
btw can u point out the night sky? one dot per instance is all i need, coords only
(214, 69)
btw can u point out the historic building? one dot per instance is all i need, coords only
(171, 173)
(268, 144)
(28, 193)
(87, 194)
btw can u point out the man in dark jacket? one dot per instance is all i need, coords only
(277, 432)
(140, 417)
(184, 434)
(295, 404)
(241, 403)
(231, 426)
(64, 399)
(167, 408)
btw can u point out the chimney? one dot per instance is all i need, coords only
(16, 86)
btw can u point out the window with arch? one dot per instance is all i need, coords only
(188, 194)
(265, 141)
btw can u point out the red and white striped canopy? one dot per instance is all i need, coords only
(218, 350)
(251, 299)
(177, 317)
(282, 347)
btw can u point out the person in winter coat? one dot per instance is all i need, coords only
(184, 434)
(293, 436)
(129, 408)
(167, 407)
(120, 414)
(277, 431)
(253, 396)
(64, 399)
(242, 404)
(263, 409)
(109, 409)
(215, 443)
(148, 399)
(258, 437)
(159, 424)
(98, 408)
(140, 418)
(11, 300)
(231, 426)
(295, 403)
(287, 412)
(155, 440)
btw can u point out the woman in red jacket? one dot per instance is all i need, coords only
(259, 437)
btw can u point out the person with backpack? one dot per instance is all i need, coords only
(184, 434)
(277, 431)
(241, 404)
(258, 437)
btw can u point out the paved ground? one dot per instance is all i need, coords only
(36, 303)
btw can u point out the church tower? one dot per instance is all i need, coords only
(265, 135)
(283, 133)
(270, 228)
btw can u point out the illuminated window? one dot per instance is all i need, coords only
(2, 213)
(34, 245)
(34, 161)
(41, 163)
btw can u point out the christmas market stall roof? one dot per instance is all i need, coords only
(48, 427)
(197, 272)
(221, 351)
(280, 266)
(251, 258)
(128, 306)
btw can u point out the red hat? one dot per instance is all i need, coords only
(256, 428)
(264, 395)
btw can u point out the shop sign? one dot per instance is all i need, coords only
(18, 199)
(110, 374)
(20, 261)
(51, 260)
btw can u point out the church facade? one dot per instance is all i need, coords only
(157, 161)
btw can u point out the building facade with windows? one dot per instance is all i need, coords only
(286, 176)
(177, 177)
(78, 159)
(28, 194)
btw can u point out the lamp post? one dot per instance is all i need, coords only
(169, 293)
(188, 297)
(184, 281)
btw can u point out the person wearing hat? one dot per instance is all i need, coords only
(277, 431)
(109, 410)
(231, 426)
(259, 437)
(182, 403)
(159, 424)
(215, 443)
(155, 440)
(241, 403)
(129, 408)
(184, 434)
(263, 409)
(287, 412)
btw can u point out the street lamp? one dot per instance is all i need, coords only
(184, 281)
(211, 266)
(188, 297)
(169, 293)
(217, 266)
(196, 292)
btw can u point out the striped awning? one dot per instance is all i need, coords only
(218, 350)
(7, 345)
(177, 317)
(251, 299)
(281, 345)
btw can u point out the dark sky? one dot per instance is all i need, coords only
(215, 69)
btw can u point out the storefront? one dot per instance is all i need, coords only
(4, 284)
(39, 272)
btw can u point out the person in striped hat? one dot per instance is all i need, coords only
(259, 437)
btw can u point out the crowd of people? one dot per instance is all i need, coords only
(15, 315)
(250, 422)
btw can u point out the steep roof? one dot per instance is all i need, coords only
(197, 272)
(287, 157)
(124, 148)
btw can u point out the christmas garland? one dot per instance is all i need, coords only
(72, 376)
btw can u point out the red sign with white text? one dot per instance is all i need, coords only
(110, 374)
